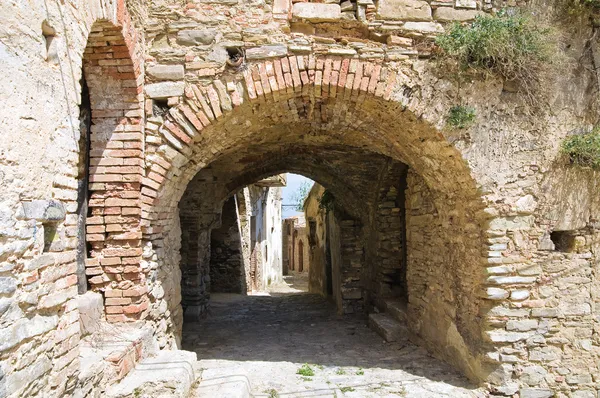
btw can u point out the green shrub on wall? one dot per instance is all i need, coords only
(460, 117)
(510, 44)
(583, 149)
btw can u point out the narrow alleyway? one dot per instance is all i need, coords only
(268, 338)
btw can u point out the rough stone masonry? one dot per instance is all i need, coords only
(500, 239)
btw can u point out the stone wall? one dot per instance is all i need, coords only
(227, 274)
(500, 301)
(316, 222)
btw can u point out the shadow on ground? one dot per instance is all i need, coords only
(283, 331)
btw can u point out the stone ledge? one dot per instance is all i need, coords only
(43, 210)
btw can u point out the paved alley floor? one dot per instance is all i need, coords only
(290, 343)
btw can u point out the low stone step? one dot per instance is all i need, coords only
(223, 383)
(168, 374)
(397, 309)
(119, 347)
(388, 327)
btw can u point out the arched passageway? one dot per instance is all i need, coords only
(221, 141)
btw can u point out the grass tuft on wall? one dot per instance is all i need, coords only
(583, 149)
(460, 117)
(510, 44)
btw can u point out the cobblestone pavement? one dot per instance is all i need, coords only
(269, 338)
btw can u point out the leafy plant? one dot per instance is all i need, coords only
(509, 43)
(305, 370)
(340, 371)
(360, 372)
(300, 195)
(346, 389)
(326, 201)
(460, 117)
(583, 149)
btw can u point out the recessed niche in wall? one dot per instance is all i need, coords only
(160, 107)
(49, 235)
(235, 56)
(564, 241)
(49, 33)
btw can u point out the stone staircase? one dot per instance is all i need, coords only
(391, 323)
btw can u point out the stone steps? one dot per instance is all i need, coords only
(391, 324)
(223, 383)
(397, 309)
(110, 354)
(168, 374)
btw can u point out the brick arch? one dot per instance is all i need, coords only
(113, 70)
(326, 100)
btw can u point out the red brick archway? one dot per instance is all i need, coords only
(112, 66)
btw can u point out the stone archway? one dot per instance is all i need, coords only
(325, 100)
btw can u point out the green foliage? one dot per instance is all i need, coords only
(326, 201)
(510, 44)
(340, 371)
(300, 195)
(460, 117)
(575, 7)
(305, 370)
(583, 149)
(360, 372)
(346, 389)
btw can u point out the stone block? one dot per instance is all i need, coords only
(39, 262)
(500, 336)
(576, 309)
(533, 375)
(57, 298)
(446, 14)
(579, 379)
(519, 295)
(196, 37)
(170, 373)
(91, 312)
(466, 4)
(165, 90)
(494, 293)
(316, 12)
(268, 51)
(387, 327)
(511, 280)
(44, 210)
(231, 382)
(407, 10)
(545, 312)
(423, 27)
(522, 326)
(512, 223)
(535, 393)
(25, 329)
(166, 72)
(7, 285)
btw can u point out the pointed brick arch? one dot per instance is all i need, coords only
(112, 66)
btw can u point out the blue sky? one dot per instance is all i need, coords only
(293, 183)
